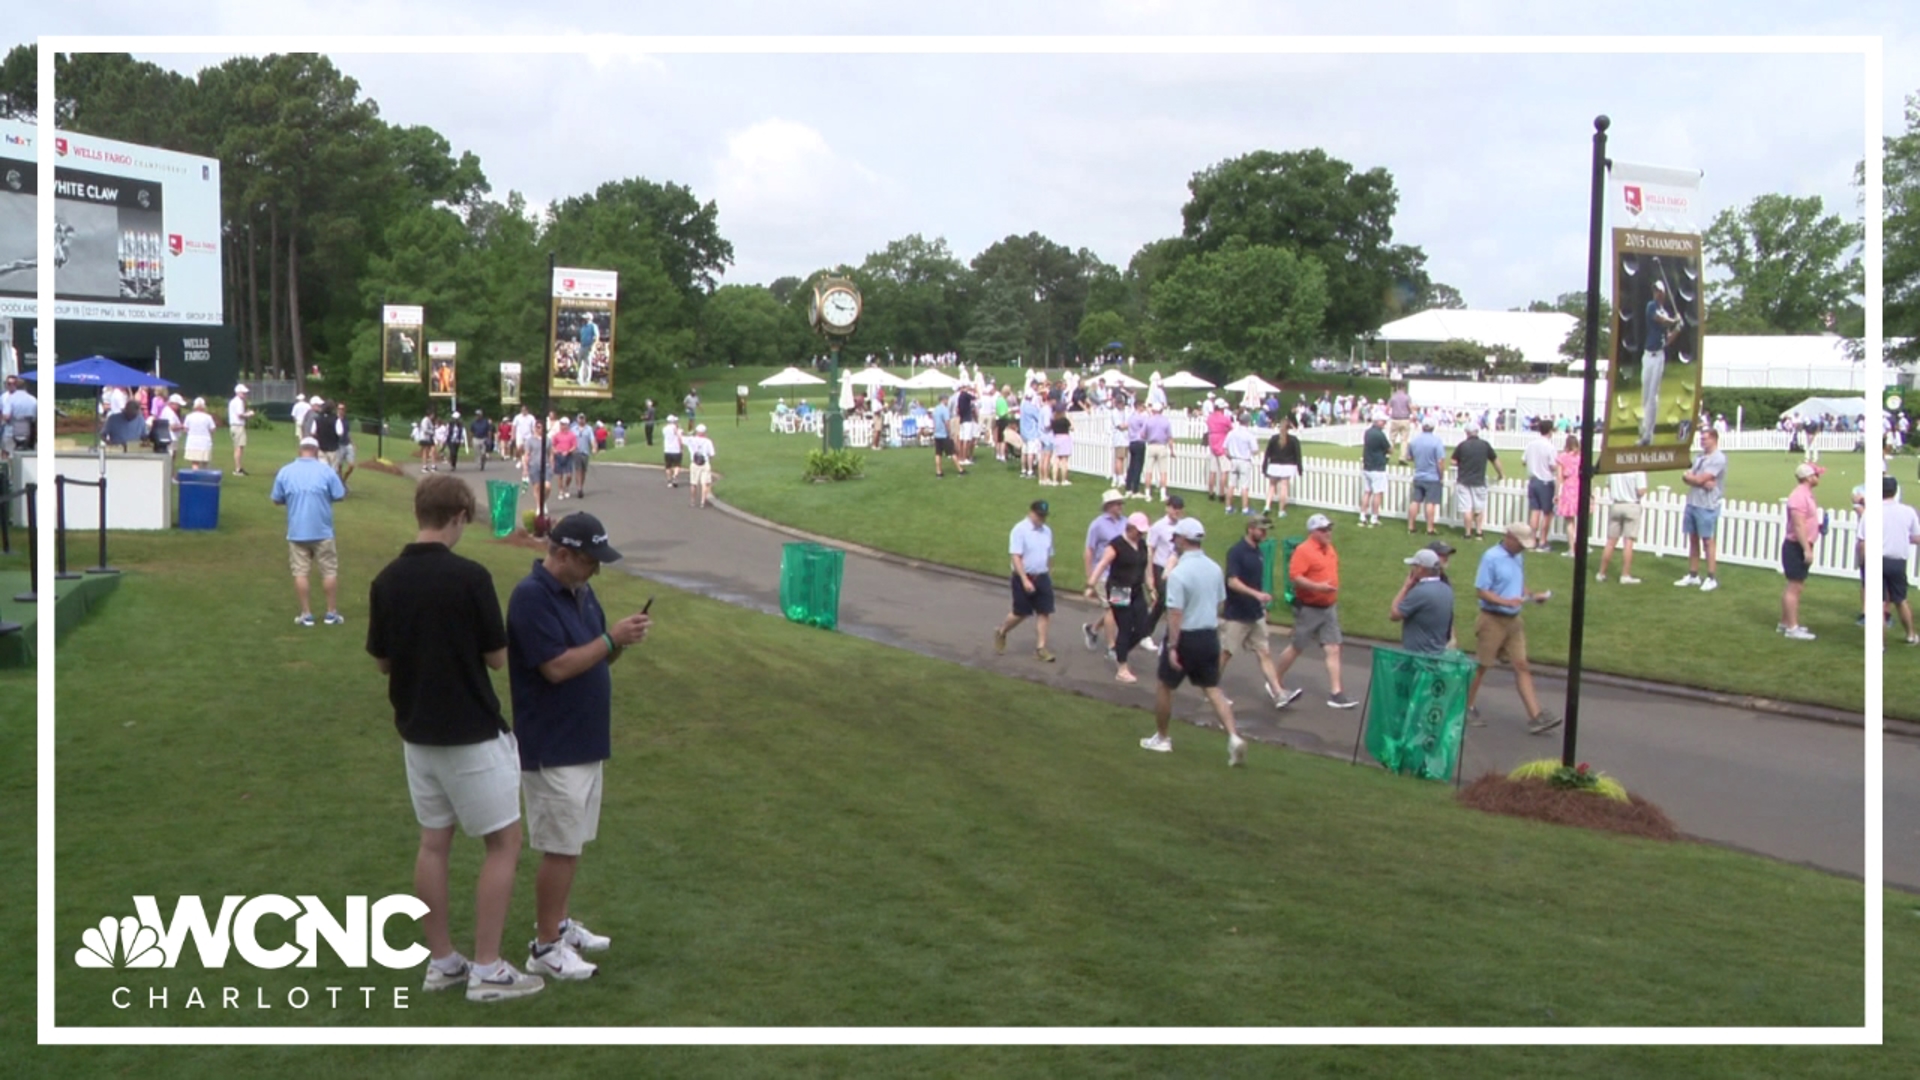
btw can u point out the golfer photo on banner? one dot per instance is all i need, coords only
(580, 343)
(1654, 375)
(400, 339)
(441, 373)
(509, 383)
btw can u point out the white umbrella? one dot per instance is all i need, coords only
(1116, 377)
(931, 379)
(1185, 380)
(792, 376)
(1252, 384)
(873, 376)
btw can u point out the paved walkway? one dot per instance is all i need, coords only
(1785, 786)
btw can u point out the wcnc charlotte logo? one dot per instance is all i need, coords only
(356, 936)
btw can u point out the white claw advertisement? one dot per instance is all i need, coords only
(136, 230)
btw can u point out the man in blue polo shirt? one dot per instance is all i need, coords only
(1030, 550)
(1499, 632)
(559, 648)
(308, 488)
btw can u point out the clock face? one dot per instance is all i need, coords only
(839, 308)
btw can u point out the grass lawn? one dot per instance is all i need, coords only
(1722, 640)
(795, 855)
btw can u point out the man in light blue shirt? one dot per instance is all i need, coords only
(1499, 631)
(1700, 519)
(943, 439)
(1031, 420)
(1427, 452)
(308, 488)
(1030, 550)
(1196, 588)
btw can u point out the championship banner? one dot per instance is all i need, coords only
(1654, 374)
(400, 343)
(440, 369)
(509, 384)
(580, 340)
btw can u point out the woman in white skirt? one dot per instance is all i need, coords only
(1282, 460)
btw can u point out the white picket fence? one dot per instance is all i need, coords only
(1749, 533)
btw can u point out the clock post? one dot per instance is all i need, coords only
(835, 312)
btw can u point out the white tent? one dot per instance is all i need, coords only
(1253, 384)
(1116, 377)
(1815, 407)
(792, 376)
(1535, 334)
(931, 379)
(1185, 380)
(1781, 361)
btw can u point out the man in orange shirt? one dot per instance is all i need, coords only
(1315, 572)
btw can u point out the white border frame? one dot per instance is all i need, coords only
(1869, 48)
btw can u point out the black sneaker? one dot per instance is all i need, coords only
(1342, 701)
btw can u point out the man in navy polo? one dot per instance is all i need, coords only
(559, 648)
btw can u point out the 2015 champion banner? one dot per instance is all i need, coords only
(580, 340)
(400, 348)
(1653, 378)
(441, 381)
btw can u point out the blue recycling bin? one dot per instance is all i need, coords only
(199, 498)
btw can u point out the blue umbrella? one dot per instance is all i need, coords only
(98, 371)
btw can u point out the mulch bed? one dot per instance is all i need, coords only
(1541, 801)
(379, 467)
(520, 538)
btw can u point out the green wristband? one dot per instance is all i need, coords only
(611, 647)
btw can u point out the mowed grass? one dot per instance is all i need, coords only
(1721, 641)
(778, 851)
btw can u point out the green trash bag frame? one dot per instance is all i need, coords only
(1415, 719)
(503, 506)
(810, 576)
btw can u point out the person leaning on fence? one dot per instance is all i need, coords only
(1424, 605)
(1427, 452)
(1500, 633)
(1196, 590)
(1282, 465)
(1375, 448)
(1700, 521)
(1625, 491)
(1470, 460)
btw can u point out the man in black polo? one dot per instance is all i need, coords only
(559, 648)
(326, 432)
(434, 628)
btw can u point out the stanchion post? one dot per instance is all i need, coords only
(102, 568)
(32, 495)
(60, 572)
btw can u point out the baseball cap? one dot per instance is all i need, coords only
(1176, 502)
(1427, 423)
(1190, 529)
(1473, 428)
(1112, 495)
(1379, 415)
(585, 534)
(1425, 558)
(1441, 547)
(699, 429)
(567, 420)
(1139, 521)
(672, 419)
(240, 388)
(1318, 522)
(1522, 532)
(1807, 470)
(1157, 406)
(309, 443)
(1261, 522)
(176, 399)
(1039, 506)
(315, 400)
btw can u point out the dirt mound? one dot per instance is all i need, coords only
(1541, 801)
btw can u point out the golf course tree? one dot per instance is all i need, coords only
(916, 295)
(1101, 329)
(1049, 284)
(19, 91)
(1900, 295)
(1440, 296)
(1313, 205)
(1785, 266)
(1241, 308)
(1468, 357)
(1574, 345)
(998, 333)
(746, 325)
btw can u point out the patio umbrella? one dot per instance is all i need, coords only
(1185, 380)
(872, 376)
(98, 371)
(931, 379)
(1253, 384)
(1116, 377)
(792, 376)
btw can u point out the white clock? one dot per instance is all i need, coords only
(839, 307)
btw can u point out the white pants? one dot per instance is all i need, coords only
(1653, 365)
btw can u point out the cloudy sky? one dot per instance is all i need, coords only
(820, 159)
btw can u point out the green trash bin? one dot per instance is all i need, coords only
(503, 503)
(810, 583)
(1417, 711)
(1280, 568)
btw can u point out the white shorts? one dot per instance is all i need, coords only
(563, 807)
(1282, 472)
(477, 785)
(1240, 473)
(1470, 500)
(1371, 482)
(969, 431)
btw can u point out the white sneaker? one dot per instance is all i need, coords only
(1686, 581)
(1157, 743)
(1150, 645)
(578, 937)
(1600, 577)
(506, 982)
(1799, 633)
(441, 980)
(1236, 751)
(1709, 585)
(558, 961)
(1625, 580)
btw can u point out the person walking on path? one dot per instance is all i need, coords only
(1282, 465)
(434, 628)
(1424, 605)
(1499, 631)
(1103, 530)
(1123, 566)
(700, 453)
(1030, 550)
(1427, 451)
(1706, 483)
(1244, 616)
(672, 449)
(1624, 494)
(482, 431)
(1566, 493)
(1541, 470)
(1796, 550)
(237, 416)
(1470, 461)
(1195, 591)
(1315, 572)
(1375, 448)
(560, 649)
(1899, 532)
(1162, 553)
(586, 444)
(308, 489)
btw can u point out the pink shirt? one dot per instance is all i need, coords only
(1218, 424)
(565, 441)
(1803, 515)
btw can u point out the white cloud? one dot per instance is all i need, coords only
(779, 181)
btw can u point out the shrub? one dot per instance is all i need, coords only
(834, 465)
(1571, 778)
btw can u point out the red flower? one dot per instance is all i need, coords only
(1582, 768)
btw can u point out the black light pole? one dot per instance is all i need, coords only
(1576, 636)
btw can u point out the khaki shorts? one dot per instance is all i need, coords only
(1310, 624)
(302, 554)
(1499, 637)
(1470, 500)
(1399, 431)
(1157, 453)
(563, 807)
(1623, 521)
(1241, 638)
(1240, 474)
(239, 433)
(700, 475)
(476, 785)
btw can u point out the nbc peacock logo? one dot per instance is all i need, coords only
(120, 943)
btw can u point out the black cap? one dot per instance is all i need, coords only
(1440, 547)
(585, 534)
(1040, 507)
(1176, 502)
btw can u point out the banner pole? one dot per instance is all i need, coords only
(546, 403)
(1576, 635)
